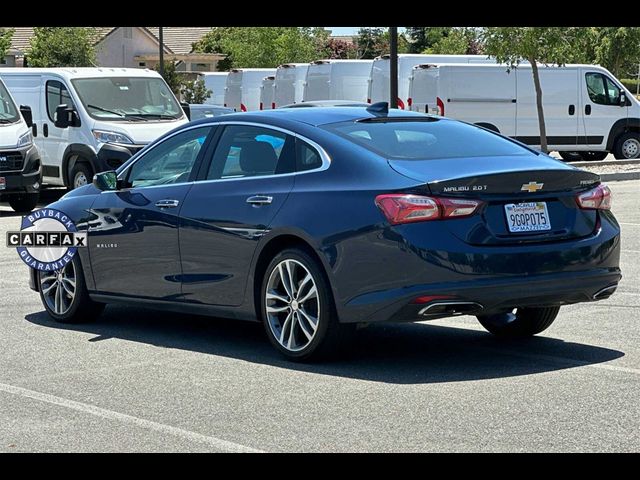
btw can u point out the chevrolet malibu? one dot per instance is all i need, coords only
(314, 220)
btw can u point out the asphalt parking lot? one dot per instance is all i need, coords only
(142, 380)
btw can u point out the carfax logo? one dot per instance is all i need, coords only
(47, 239)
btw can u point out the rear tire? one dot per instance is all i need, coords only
(521, 322)
(24, 203)
(64, 295)
(571, 156)
(80, 175)
(297, 308)
(627, 146)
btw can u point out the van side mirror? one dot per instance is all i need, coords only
(187, 109)
(623, 99)
(66, 116)
(105, 181)
(25, 110)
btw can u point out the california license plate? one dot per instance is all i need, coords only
(3, 183)
(527, 217)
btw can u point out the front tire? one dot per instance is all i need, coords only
(627, 146)
(24, 203)
(64, 294)
(80, 175)
(520, 322)
(297, 309)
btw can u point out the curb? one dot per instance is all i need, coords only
(595, 163)
(614, 177)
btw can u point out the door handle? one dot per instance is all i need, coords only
(587, 109)
(167, 203)
(258, 200)
(572, 109)
(45, 129)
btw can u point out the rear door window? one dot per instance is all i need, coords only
(248, 151)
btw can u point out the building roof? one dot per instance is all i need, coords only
(178, 40)
(22, 36)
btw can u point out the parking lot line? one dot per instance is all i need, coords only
(216, 443)
(630, 224)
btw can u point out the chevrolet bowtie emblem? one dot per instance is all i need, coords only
(532, 187)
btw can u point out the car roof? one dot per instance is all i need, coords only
(84, 72)
(312, 116)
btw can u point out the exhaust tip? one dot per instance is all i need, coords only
(450, 308)
(605, 292)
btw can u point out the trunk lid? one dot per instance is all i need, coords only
(550, 185)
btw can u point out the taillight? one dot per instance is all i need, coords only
(598, 198)
(243, 108)
(402, 208)
(400, 103)
(260, 105)
(409, 102)
(273, 105)
(440, 105)
(368, 100)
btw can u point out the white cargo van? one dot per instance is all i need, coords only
(337, 80)
(87, 120)
(289, 85)
(215, 81)
(379, 82)
(242, 91)
(266, 92)
(586, 108)
(20, 170)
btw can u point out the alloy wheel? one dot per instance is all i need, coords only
(292, 305)
(59, 288)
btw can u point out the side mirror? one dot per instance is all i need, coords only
(25, 110)
(105, 181)
(187, 109)
(66, 116)
(623, 99)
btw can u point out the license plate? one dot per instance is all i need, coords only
(3, 183)
(527, 217)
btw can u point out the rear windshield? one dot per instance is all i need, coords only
(426, 140)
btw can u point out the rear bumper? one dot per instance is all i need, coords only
(498, 295)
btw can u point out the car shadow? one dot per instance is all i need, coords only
(408, 353)
(47, 196)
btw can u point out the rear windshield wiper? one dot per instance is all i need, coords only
(122, 115)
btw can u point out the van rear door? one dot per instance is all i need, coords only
(481, 95)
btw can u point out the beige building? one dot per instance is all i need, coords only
(131, 47)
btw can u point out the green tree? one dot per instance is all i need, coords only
(61, 47)
(422, 38)
(617, 48)
(375, 41)
(5, 40)
(547, 45)
(264, 47)
(457, 41)
(171, 76)
(194, 91)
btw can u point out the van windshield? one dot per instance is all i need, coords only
(8, 111)
(130, 99)
(432, 138)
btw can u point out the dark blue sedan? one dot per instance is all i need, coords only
(314, 220)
